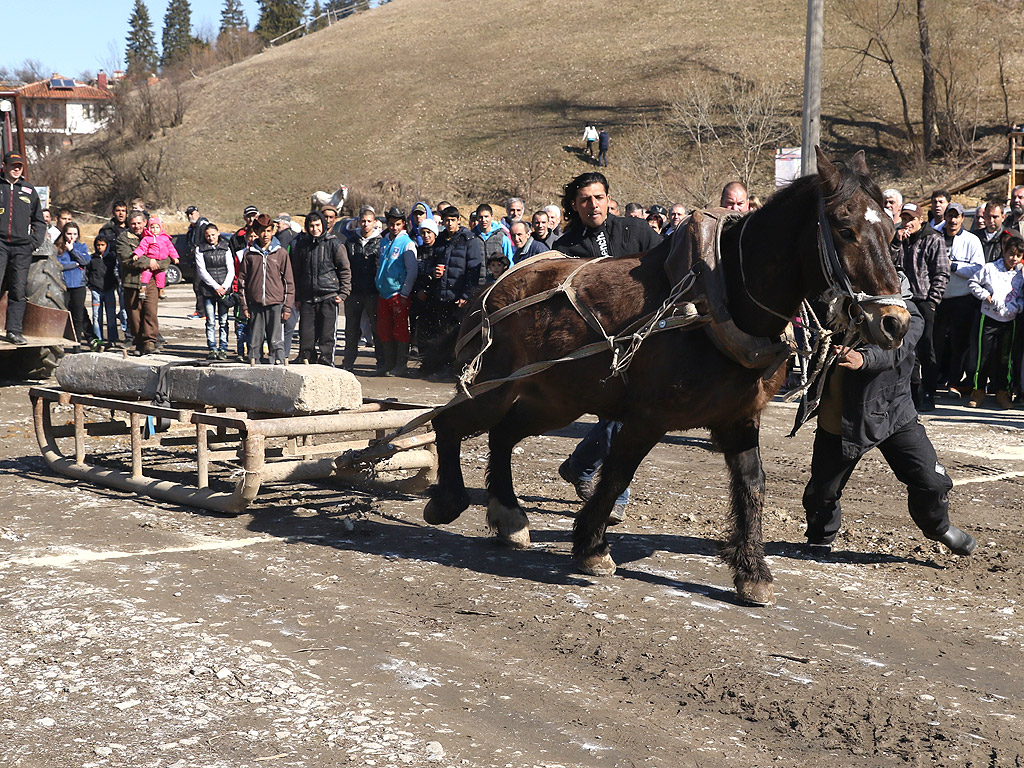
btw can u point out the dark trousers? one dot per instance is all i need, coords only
(989, 361)
(265, 324)
(14, 263)
(77, 298)
(926, 349)
(952, 336)
(439, 321)
(590, 454)
(318, 326)
(142, 319)
(910, 455)
(602, 156)
(355, 304)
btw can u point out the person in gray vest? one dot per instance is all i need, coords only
(215, 270)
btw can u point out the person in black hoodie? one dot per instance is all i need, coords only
(323, 280)
(363, 245)
(103, 277)
(452, 273)
(22, 230)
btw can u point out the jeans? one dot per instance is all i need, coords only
(104, 303)
(586, 460)
(216, 324)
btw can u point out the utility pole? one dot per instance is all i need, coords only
(810, 124)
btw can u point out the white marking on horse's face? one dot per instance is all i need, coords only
(871, 215)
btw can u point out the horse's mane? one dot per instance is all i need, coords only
(850, 182)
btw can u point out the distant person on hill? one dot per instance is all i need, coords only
(603, 140)
(492, 235)
(589, 137)
(735, 197)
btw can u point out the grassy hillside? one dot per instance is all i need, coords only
(463, 99)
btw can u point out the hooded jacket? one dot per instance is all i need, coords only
(495, 242)
(320, 266)
(414, 231)
(397, 269)
(462, 256)
(363, 255)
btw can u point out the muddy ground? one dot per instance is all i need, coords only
(334, 628)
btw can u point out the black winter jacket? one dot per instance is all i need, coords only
(21, 215)
(320, 268)
(462, 257)
(625, 237)
(103, 272)
(362, 259)
(876, 397)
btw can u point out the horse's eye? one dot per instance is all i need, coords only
(847, 234)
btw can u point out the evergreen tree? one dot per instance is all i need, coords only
(232, 17)
(140, 53)
(177, 39)
(279, 16)
(315, 22)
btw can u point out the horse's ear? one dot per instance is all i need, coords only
(827, 172)
(859, 164)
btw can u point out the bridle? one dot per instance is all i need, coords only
(838, 282)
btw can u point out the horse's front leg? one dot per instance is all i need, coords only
(744, 548)
(629, 447)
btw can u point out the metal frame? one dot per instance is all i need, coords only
(263, 448)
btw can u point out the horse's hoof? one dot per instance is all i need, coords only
(509, 524)
(436, 514)
(598, 565)
(755, 592)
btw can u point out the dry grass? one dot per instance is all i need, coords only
(444, 98)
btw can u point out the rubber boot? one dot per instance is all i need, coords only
(386, 351)
(401, 359)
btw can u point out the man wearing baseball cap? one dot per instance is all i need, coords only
(22, 229)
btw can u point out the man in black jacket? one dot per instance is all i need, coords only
(323, 280)
(22, 229)
(452, 275)
(866, 403)
(592, 232)
(363, 246)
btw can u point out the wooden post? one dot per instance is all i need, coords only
(810, 124)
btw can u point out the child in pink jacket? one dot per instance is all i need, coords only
(156, 244)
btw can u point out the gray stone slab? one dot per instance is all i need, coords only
(285, 390)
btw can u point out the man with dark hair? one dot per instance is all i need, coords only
(22, 230)
(267, 291)
(735, 197)
(1016, 213)
(940, 199)
(542, 228)
(590, 233)
(141, 305)
(635, 210)
(323, 280)
(396, 277)
(118, 221)
(991, 232)
(492, 236)
(363, 246)
(240, 240)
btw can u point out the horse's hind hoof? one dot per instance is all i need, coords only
(598, 565)
(755, 592)
(437, 513)
(509, 524)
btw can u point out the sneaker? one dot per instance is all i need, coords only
(222, 354)
(584, 487)
(618, 513)
(927, 404)
(212, 355)
(194, 316)
(96, 345)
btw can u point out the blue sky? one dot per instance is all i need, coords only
(72, 36)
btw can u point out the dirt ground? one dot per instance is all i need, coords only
(335, 628)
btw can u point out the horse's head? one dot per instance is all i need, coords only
(865, 288)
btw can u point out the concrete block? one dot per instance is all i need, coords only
(284, 390)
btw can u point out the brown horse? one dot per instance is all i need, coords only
(678, 379)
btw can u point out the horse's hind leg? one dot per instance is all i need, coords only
(525, 418)
(744, 549)
(448, 496)
(629, 447)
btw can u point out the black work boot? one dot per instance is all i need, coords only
(959, 542)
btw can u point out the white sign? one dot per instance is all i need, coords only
(787, 165)
(44, 196)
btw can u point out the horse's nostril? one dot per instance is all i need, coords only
(892, 326)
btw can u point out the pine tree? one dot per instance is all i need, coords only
(315, 22)
(232, 17)
(177, 39)
(140, 53)
(279, 16)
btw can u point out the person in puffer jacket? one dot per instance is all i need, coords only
(323, 280)
(999, 285)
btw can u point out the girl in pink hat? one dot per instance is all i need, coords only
(157, 245)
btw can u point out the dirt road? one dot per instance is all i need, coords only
(333, 628)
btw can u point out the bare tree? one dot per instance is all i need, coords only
(929, 102)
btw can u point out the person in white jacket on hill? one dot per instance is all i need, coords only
(999, 286)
